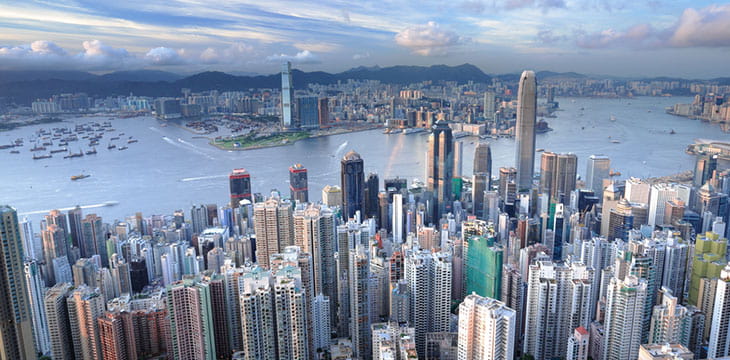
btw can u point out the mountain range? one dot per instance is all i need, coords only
(24, 87)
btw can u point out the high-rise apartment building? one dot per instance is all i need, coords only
(85, 306)
(440, 168)
(93, 239)
(578, 344)
(557, 175)
(352, 177)
(191, 320)
(486, 329)
(525, 130)
(57, 315)
(257, 315)
(36, 290)
(323, 112)
(671, 323)
(624, 317)
(274, 228)
(16, 328)
(489, 105)
(720, 331)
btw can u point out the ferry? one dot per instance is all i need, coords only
(79, 177)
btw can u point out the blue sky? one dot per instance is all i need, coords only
(621, 37)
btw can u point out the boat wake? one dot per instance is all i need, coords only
(203, 178)
(93, 206)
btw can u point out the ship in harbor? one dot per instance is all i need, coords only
(38, 157)
(91, 152)
(73, 155)
(79, 177)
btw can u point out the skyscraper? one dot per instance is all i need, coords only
(54, 246)
(482, 177)
(372, 189)
(94, 239)
(486, 329)
(323, 112)
(397, 218)
(352, 176)
(191, 320)
(16, 329)
(85, 306)
(598, 168)
(671, 323)
(240, 186)
(624, 318)
(36, 290)
(360, 302)
(720, 332)
(557, 175)
(489, 105)
(308, 112)
(257, 314)
(440, 168)
(525, 130)
(484, 261)
(59, 328)
(274, 228)
(287, 96)
(298, 183)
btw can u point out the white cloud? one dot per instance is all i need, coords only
(302, 57)
(165, 56)
(316, 46)
(233, 54)
(361, 56)
(429, 39)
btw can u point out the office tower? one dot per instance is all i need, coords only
(611, 197)
(84, 272)
(458, 159)
(674, 275)
(429, 277)
(257, 315)
(665, 352)
(314, 232)
(16, 333)
(199, 218)
(75, 216)
(484, 259)
(332, 195)
(709, 260)
(191, 320)
(58, 326)
(719, 331)
(352, 176)
(392, 341)
(558, 296)
(578, 344)
(274, 228)
(372, 188)
(624, 317)
(308, 112)
(705, 167)
(93, 239)
(598, 169)
(298, 183)
(489, 105)
(482, 171)
(486, 329)
(287, 96)
(54, 246)
(507, 185)
(397, 218)
(513, 296)
(525, 130)
(440, 168)
(671, 323)
(349, 235)
(659, 195)
(557, 175)
(400, 301)
(396, 184)
(620, 221)
(359, 301)
(36, 289)
(56, 217)
(85, 306)
(323, 112)
(240, 187)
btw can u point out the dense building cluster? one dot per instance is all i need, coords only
(490, 265)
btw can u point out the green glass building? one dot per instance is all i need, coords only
(484, 267)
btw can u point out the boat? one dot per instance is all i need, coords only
(114, 138)
(615, 141)
(38, 148)
(540, 150)
(3, 147)
(74, 155)
(111, 146)
(614, 173)
(412, 131)
(132, 141)
(54, 151)
(79, 177)
(672, 132)
(91, 152)
(612, 118)
(123, 148)
(14, 152)
(38, 157)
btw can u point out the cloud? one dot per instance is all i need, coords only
(316, 46)
(706, 27)
(233, 54)
(547, 36)
(361, 56)
(480, 6)
(302, 57)
(165, 56)
(429, 39)
(42, 54)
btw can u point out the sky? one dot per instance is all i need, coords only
(632, 38)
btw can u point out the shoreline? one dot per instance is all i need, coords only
(312, 136)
